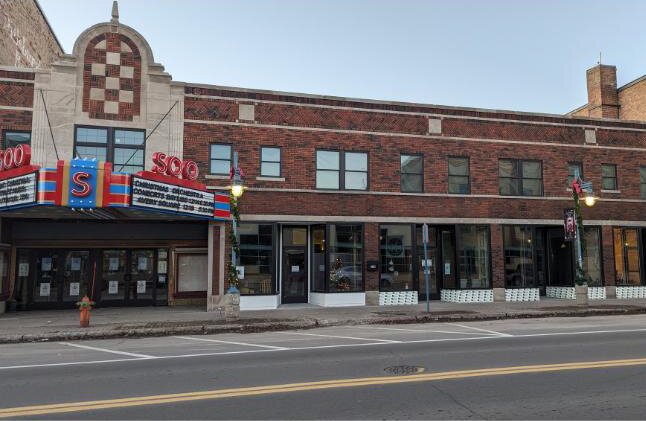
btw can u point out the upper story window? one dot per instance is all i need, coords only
(412, 173)
(459, 175)
(347, 170)
(520, 178)
(609, 177)
(642, 182)
(15, 138)
(270, 162)
(124, 148)
(572, 169)
(220, 158)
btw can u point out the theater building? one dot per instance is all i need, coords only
(337, 190)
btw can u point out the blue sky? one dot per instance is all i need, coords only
(502, 54)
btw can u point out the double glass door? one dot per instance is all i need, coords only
(128, 277)
(439, 259)
(61, 277)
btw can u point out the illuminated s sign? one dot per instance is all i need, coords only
(81, 186)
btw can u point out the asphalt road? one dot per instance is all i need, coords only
(570, 368)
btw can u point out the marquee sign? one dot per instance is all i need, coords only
(86, 184)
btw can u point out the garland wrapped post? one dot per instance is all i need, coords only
(234, 277)
(579, 278)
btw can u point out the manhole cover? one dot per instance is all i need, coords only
(403, 370)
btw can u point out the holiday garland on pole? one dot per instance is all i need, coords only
(580, 273)
(234, 278)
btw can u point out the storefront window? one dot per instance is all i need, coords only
(396, 258)
(192, 272)
(345, 258)
(518, 243)
(473, 252)
(627, 261)
(592, 257)
(256, 259)
(4, 266)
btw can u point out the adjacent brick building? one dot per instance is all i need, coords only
(338, 189)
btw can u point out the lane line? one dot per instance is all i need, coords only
(493, 332)
(426, 331)
(308, 386)
(230, 342)
(111, 351)
(211, 354)
(390, 341)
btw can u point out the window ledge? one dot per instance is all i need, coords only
(216, 177)
(261, 178)
(611, 191)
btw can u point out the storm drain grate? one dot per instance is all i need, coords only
(403, 370)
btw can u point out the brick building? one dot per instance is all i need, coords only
(337, 189)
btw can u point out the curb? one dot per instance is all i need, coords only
(202, 328)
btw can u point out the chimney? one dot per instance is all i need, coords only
(603, 100)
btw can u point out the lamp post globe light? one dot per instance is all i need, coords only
(237, 188)
(581, 188)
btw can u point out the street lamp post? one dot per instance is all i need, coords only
(581, 187)
(237, 188)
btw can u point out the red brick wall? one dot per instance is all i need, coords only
(608, 255)
(16, 94)
(371, 247)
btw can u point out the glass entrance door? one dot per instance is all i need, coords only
(46, 286)
(113, 276)
(561, 259)
(77, 276)
(432, 261)
(142, 276)
(294, 265)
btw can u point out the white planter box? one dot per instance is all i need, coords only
(522, 294)
(342, 299)
(397, 298)
(258, 302)
(467, 295)
(563, 293)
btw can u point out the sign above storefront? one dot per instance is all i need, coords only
(87, 183)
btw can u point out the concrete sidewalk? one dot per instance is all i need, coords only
(57, 325)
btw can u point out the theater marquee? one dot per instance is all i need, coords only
(170, 187)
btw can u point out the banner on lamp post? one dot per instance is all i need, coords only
(569, 224)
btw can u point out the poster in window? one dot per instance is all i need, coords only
(162, 279)
(75, 289)
(46, 264)
(113, 264)
(447, 268)
(75, 264)
(162, 266)
(141, 287)
(23, 269)
(163, 254)
(395, 245)
(142, 263)
(45, 289)
(240, 270)
(113, 287)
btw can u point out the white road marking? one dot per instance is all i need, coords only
(342, 337)
(249, 351)
(493, 332)
(230, 342)
(425, 331)
(111, 351)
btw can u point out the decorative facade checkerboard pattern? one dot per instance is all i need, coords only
(112, 78)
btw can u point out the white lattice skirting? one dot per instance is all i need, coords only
(397, 298)
(596, 293)
(569, 293)
(564, 293)
(467, 295)
(522, 294)
(631, 292)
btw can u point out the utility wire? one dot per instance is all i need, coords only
(51, 132)
(149, 134)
